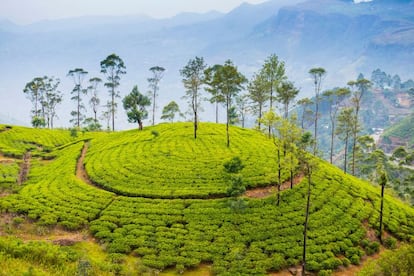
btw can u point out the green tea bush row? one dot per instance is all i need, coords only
(184, 232)
(174, 165)
(53, 195)
(9, 173)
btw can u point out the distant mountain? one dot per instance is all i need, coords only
(344, 37)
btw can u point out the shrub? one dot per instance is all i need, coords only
(372, 248)
(355, 259)
(325, 273)
(17, 221)
(390, 243)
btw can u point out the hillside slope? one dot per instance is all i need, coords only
(237, 236)
(400, 134)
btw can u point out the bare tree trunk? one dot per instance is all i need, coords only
(271, 106)
(332, 140)
(78, 121)
(346, 155)
(216, 112)
(315, 146)
(305, 230)
(260, 116)
(227, 122)
(153, 107)
(113, 109)
(195, 125)
(279, 176)
(381, 211)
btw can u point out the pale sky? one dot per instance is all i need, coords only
(29, 11)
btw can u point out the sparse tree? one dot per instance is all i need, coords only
(78, 75)
(135, 105)
(308, 166)
(317, 74)
(230, 82)
(344, 130)
(113, 67)
(383, 182)
(242, 108)
(94, 100)
(52, 98)
(193, 78)
(258, 95)
(359, 89)
(34, 92)
(334, 98)
(169, 111)
(286, 92)
(213, 87)
(107, 115)
(273, 121)
(273, 73)
(305, 103)
(157, 75)
(233, 168)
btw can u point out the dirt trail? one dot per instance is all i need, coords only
(80, 168)
(24, 168)
(271, 190)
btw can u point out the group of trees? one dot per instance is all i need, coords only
(44, 94)
(224, 84)
(382, 80)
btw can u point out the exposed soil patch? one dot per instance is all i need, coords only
(80, 168)
(24, 168)
(297, 270)
(271, 190)
(6, 160)
(5, 128)
(27, 230)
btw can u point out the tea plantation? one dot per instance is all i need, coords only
(166, 162)
(160, 196)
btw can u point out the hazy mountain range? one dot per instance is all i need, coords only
(342, 36)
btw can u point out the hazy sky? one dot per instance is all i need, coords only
(29, 11)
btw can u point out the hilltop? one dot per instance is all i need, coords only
(157, 199)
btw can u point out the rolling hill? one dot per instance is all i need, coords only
(155, 200)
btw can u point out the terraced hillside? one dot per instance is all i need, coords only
(166, 162)
(159, 197)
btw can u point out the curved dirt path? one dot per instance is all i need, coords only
(24, 168)
(80, 168)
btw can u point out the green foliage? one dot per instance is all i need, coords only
(402, 130)
(54, 196)
(396, 262)
(390, 243)
(169, 111)
(40, 253)
(175, 165)
(135, 104)
(234, 165)
(237, 187)
(9, 172)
